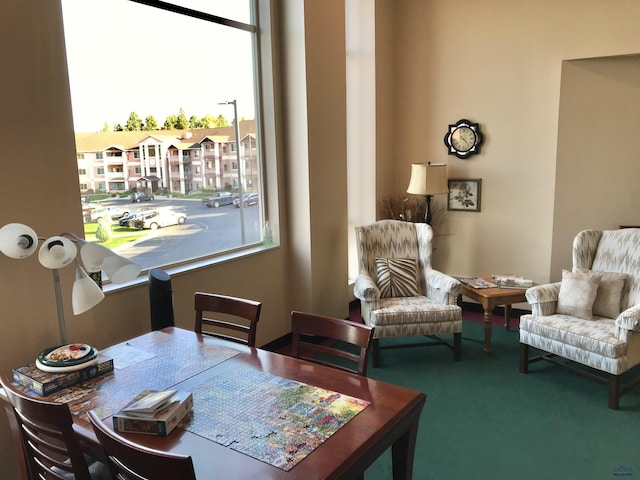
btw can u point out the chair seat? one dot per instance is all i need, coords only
(406, 316)
(593, 336)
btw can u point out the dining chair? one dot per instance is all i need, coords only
(314, 336)
(50, 446)
(129, 461)
(236, 319)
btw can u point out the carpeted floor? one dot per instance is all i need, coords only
(485, 420)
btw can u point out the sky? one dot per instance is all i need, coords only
(124, 57)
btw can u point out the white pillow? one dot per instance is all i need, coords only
(397, 277)
(609, 295)
(577, 293)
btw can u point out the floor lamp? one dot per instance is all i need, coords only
(20, 241)
(428, 179)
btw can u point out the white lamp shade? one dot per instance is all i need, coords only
(120, 269)
(85, 294)
(428, 179)
(18, 240)
(96, 257)
(56, 252)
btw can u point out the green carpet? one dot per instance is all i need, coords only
(485, 420)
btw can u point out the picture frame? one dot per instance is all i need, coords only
(465, 194)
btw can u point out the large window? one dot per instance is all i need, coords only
(171, 92)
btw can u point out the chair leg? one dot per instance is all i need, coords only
(375, 352)
(524, 358)
(614, 392)
(457, 346)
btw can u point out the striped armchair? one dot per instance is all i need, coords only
(400, 294)
(601, 329)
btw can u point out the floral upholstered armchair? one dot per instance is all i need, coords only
(592, 316)
(400, 294)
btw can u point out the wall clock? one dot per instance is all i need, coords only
(463, 139)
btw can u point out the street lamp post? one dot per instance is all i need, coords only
(240, 187)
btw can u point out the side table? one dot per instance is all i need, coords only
(490, 298)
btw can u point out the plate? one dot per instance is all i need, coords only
(67, 355)
(69, 368)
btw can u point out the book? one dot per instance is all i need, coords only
(149, 405)
(512, 281)
(162, 422)
(477, 282)
(45, 383)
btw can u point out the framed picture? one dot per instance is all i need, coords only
(464, 194)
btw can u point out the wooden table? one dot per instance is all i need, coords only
(390, 420)
(490, 298)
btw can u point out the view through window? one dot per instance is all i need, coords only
(164, 107)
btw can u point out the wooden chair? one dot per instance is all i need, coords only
(129, 461)
(316, 334)
(229, 311)
(50, 446)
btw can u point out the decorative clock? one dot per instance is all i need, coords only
(463, 139)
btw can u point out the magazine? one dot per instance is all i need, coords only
(477, 282)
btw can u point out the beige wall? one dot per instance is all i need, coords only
(499, 63)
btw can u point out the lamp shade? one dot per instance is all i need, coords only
(18, 240)
(85, 294)
(428, 179)
(96, 257)
(56, 252)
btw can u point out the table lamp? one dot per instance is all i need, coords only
(428, 179)
(20, 241)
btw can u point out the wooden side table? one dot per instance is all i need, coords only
(490, 298)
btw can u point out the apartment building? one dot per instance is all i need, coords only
(172, 161)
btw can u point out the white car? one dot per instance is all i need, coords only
(112, 213)
(162, 218)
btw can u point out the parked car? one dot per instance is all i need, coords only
(111, 212)
(130, 220)
(248, 199)
(138, 197)
(218, 199)
(162, 218)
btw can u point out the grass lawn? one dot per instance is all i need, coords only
(120, 235)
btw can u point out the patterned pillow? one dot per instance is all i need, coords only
(577, 293)
(609, 295)
(397, 277)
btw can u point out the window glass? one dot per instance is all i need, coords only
(160, 93)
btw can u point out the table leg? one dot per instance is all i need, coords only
(488, 314)
(507, 317)
(402, 453)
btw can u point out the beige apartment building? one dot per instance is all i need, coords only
(168, 161)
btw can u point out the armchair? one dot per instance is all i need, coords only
(592, 317)
(400, 294)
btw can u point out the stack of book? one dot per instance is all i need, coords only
(45, 383)
(153, 412)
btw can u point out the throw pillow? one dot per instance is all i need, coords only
(577, 293)
(397, 277)
(609, 296)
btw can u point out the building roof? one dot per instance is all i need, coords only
(183, 139)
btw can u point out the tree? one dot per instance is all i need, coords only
(221, 121)
(170, 122)
(150, 123)
(195, 122)
(134, 123)
(182, 123)
(118, 128)
(106, 127)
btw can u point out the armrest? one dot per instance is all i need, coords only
(442, 287)
(629, 319)
(543, 298)
(365, 288)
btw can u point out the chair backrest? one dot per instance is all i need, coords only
(611, 251)
(50, 445)
(394, 239)
(130, 461)
(236, 319)
(314, 335)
